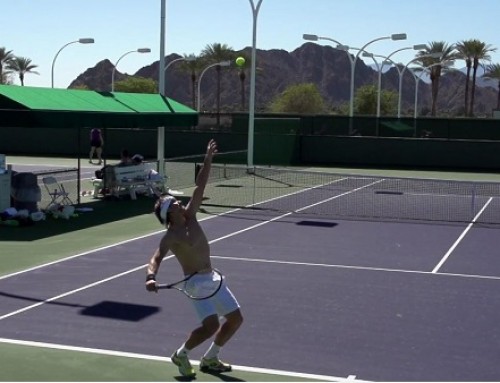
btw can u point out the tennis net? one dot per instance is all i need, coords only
(180, 171)
(327, 194)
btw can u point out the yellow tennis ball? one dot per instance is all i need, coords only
(240, 61)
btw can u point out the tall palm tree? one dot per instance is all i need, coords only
(242, 75)
(22, 65)
(447, 53)
(493, 72)
(216, 53)
(479, 52)
(5, 57)
(465, 52)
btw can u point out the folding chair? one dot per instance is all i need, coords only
(57, 193)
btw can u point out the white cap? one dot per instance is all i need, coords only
(165, 204)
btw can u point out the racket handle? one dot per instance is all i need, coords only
(161, 286)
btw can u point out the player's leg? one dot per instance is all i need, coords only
(208, 328)
(229, 308)
(229, 327)
(98, 151)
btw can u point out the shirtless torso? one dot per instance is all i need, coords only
(190, 245)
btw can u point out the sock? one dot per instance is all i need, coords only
(212, 352)
(183, 351)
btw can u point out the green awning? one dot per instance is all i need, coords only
(82, 108)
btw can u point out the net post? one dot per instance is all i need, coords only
(473, 207)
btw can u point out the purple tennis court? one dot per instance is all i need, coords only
(369, 299)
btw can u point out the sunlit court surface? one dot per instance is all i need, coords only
(340, 277)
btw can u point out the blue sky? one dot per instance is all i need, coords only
(37, 29)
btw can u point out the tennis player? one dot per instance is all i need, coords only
(185, 238)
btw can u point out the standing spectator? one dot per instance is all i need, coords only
(96, 144)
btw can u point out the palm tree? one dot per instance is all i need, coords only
(465, 50)
(479, 52)
(22, 65)
(493, 72)
(242, 75)
(447, 53)
(5, 57)
(216, 53)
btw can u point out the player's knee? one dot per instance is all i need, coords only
(235, 319)
(211, 325)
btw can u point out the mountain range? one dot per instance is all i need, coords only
(324, 66)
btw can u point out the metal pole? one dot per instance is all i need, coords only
(114, 69)
(160, 152)
(54, 61)
(84, 40)
(222, 63)
(251, 103)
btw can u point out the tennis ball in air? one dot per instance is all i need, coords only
(240, 61)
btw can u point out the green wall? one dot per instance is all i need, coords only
(293, 140)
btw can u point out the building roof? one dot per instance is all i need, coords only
(70, 108)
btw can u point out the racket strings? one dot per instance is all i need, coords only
(203, 285)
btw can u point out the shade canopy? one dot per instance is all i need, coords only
(73, 108)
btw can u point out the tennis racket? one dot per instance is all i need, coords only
(197, 286)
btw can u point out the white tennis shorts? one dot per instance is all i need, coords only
(220, 304)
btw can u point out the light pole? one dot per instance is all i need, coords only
(222, 63)
(309, 37)
(160, 137)
(86, 40)
(339, 46)
(188, 58)
(434, 55)
(388, 59)
(251, 102)
(140, 50)
(395, 37)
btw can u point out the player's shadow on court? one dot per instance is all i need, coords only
(105, 309)
(120, 311)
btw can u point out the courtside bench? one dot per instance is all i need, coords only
(129, 179)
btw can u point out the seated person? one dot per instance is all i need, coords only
(156, 186)
(125, 159)
(152, 174)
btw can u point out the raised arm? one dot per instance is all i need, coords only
(201, 180)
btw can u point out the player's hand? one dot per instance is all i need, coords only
(212, 147)
(152, 286)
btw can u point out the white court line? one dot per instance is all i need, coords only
(452, 248)
(235, 258)
(142, 266)
(24, 309)
(367, 268)
(142, 236)
(78, 255)
(328, 378)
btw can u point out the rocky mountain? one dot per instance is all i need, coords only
(325, 66)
